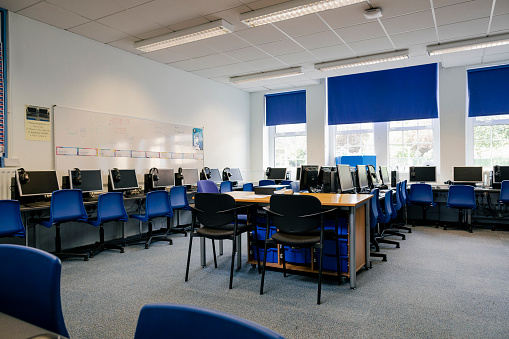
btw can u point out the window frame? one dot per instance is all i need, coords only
(471, 123)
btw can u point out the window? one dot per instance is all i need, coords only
(354, 139)
(290, 146)
(411, 143)
(490, 140)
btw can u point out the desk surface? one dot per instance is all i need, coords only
(15, 328)
(326, 199)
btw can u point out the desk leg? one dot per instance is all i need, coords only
(202, 252)
(352, 248)
(368, 240)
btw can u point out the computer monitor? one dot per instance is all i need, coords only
(345, 179)
(190, 176)
(500, 173)
(297, 177)
(86, 180)
(215, 175)
(362, 177)
(423, 174)
(321, 173)
(166, 178)
(38, 183)
(236, 175)
(123, 179)
(308, 177)
(276, 173)
(373, 177)
(467, 174)
(384, 175)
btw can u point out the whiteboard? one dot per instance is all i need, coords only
(92, 140)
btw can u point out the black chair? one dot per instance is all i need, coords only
(300, 223)
(217, 214)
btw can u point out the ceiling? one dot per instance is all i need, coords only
(331, 35)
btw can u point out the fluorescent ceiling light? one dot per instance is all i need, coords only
(468, 45)
(184, 36)
(363, 61)
(281, 73)
(290, 10)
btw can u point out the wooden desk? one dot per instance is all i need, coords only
(357, 206)
(15, 328)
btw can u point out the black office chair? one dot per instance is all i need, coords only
(300, 223)
(217, 214)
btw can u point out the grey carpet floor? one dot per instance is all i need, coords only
(439, 284)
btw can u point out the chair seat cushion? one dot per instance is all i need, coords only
(306, 239)
(224, 232)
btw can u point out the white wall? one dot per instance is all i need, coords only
(49, 66)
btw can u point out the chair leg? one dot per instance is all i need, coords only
(320, 277)
(263, 268)
(233, 260)
(102, 245)
(58, 247)
(189, 256)
(156, 237)
(214, 251)
(379, 255)
(284, 262)
(387, 241)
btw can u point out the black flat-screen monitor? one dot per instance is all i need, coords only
(190, 176)
(500, 173)
(423, 174)
(276, 173)
(236, 175)
(86, 180)
(308, 177)
(297, 177)
(362, 177)
(123, 179)
(467, 174)
(166, 178)
(384, 175)
(373, 177)
(345, 179)
(40, 183)
(215, 175)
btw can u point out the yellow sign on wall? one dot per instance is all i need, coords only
(37, 123)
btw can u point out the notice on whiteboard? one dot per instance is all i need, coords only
(37, 123)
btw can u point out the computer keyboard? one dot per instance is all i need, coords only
(38, 204)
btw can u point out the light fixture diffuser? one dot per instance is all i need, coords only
(281, 73)
(290, 10)
(184, 36)
(468, 45)
(363, 61)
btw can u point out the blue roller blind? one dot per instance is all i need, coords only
(488, 91)
(390, 95)
(285, 108)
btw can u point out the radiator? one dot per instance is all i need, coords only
(5, 182)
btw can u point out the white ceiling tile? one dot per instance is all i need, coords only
(165, 56)
(265, 64)
(371, 46)
(247, 54)
(126, 44)
(216, 60)
(18, 5)
(318, 40)
(257, 4)
(420, 37)
(391, 8)
(501, 7)
(464, 11)
(409, 22)
(442, 3)
(129, 3)
(129, 22)
(188, 23)
(345, 16)
(91, 9)
(463, 30)
(164, 12)
(193, 49)
(99, 32)
(333, 52)
(303, 25)
(201, 7)
(261, 34)
(53, 15)
(189, 65)
(296, 59)
(361, 32)
(226, 42)
(281, 47)
(500, 24)
(153, 33)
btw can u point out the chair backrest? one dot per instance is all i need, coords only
(207, 186)
(404, 192)
(67, 205)
(196, 322)
(226, 186)
(210, 204)
(157, 204)
(110, 206)
(291, 207)
(421, 194)
(461, 196)
(399, 201)
(10, 222)
(504, 192)
(373, 208)
(266, 182)
(30, 287)
(248, 187)
(389, 207)
(178, 197)
(286, 182)
(295, 185)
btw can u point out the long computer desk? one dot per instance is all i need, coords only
(357, 206)
(12, 327)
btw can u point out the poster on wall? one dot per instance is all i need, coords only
(37, 123)
(198, 139)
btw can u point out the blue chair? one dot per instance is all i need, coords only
(266, 182)
(384, 218)
(400, 206)
(248, 187)
(391, 212)
(207, 186)
(196, 322)
(504, 196)
(179, 202)
(373, 222)
(110, 207)
(10, 223)
(287, 183)
(31, 287)
(461, 197)
(66, 205)
(421, 195)
(157, 204)
(226, 186)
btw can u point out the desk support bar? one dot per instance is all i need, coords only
(352, 247)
